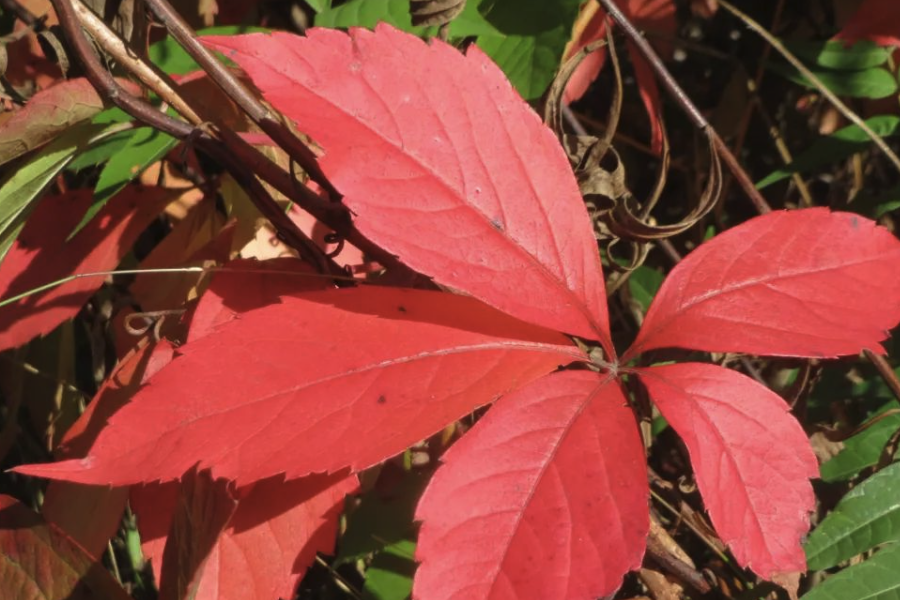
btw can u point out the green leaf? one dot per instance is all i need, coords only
(876, 204)
(389, 577)
(862, 450)
(840, 57)
(643, 284)
(382, 518)
(872, 83)
(533, 36)
(875, 579)
(23, 186)
(867, 516)
(368, 13)
(144, 146)
(169, 56)
(101, 151)
(843, 143)
(319, 5)
(525, 39)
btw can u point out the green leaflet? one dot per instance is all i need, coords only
(840, 57)
(875, 579)
(368, 13)
(389, 577)
(862, 450)
(142, 147)
(867, 516)
(643, 284)
(869, 83)
(169, 56)
(841, 144)
(526, 40)
(381, 519)
(21, 188)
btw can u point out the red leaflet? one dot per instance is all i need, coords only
(364, 372)
(271, 540)
(546, 497)
(243, 285)
(41, 255)
(875, 20)
(751, 458)
(798, 283)
(274, 537)
(443, 164)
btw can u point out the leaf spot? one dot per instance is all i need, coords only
(401, 309)
(381, 399)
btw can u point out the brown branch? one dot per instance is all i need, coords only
(238, 157)
(687, 106)
(244, 98)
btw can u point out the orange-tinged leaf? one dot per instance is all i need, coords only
(546, 497)
(41, 255)
(47, 114)
(751, 459)
(443, 164)
(361, 372)
(800, 283)
(39, 561)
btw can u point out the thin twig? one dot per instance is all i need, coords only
(688, 106)
(243, 161)
(885, 370)
(243, 97)
(815, 81)
(115, 47)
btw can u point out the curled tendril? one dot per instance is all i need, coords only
(152, 321)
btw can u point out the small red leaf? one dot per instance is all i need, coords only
(799, 283)
(39, 561)
(361, 372)
(751, 459)
(444, 165)
(654, 15)
(875, 20)
(202, 511)
(272, 538)
(41, 255)
(546, 497)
